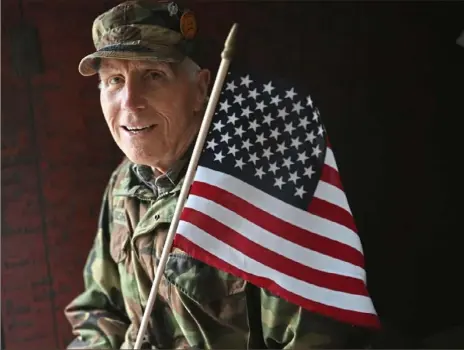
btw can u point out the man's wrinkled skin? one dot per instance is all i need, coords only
(135, 94)
(198, 305)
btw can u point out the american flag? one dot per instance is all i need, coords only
(268, 206)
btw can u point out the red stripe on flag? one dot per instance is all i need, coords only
(348, 316)
(279, 227)
(331, 212)
(331, 176)
(272, 259)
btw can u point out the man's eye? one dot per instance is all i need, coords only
(155, 75)
(115, 80)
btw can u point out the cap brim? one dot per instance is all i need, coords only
(87, 65)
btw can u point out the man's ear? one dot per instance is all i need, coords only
(203, 80)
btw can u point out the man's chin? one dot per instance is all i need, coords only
(141, 158)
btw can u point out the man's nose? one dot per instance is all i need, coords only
(133, 97)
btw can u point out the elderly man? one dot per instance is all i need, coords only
(153, 97)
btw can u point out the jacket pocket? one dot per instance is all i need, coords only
(119, 242)
(219, 294)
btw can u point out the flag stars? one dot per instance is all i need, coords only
(296, 142)
(239, 99)
(253, 93)
(231, 86)
(254, 125)
(225, 137)
(281, 147)
(268, 87)
(211, 144)
(273, 167)
(287, 162)
(275, 133)
(267, 136)
(276, 100)
(300, 192)
(232, 119)
(297, 107)
(239, 131)
(309, 171)
(260, 105)
(253, 158)
(260, 138)
(289, 128)
(310, 137)
(239, 163)
(232, 150)
(294, 177)
(268, 119)
(246, 81)
(246, 144)
(259, 172)
(218, 157)
(218, 125)
(290, 94)
(267, 153)
(246, 112)
(316, 116)
(304, 122)
(279, 182)
(316, 151)
(225, 106)
(309, 101)
(302, 157)
(283, 113)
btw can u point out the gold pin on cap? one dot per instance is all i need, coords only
(188, 24)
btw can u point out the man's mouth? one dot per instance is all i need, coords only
(138, 129)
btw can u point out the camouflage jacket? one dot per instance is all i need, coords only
(197, 306)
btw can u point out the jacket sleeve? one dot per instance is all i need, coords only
(97, 316)
(288, 326)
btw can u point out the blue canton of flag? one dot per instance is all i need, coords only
(271, 139)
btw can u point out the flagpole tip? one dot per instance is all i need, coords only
(229, 45)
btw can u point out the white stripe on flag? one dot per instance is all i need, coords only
(330, 158)
(278, 208)
(306, 290)
(332, 194)
(277, 244)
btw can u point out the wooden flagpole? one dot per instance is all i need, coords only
(226, 56)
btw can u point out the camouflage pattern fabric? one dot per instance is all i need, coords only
(143, 30)
(197, 306)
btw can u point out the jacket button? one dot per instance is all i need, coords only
(157, 217)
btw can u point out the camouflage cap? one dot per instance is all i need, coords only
(142, 29)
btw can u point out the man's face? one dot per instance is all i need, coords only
(152, 111)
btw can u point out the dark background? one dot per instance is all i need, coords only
(387, 78)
